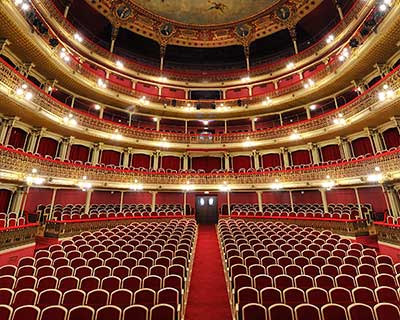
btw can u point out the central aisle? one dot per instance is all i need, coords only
(208, 296)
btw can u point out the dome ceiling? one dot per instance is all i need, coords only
(206, 12)
(204, 23)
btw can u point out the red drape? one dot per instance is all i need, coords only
(361, 146)
(110, 157)
(392, 138)
(5, 197)
(206, 163)
(241, 162)
(17, 138)
(330, 152)
(301, 157)
(47, 146)
(140, 161)
(271, 160)
(171, 162)
(79, 152)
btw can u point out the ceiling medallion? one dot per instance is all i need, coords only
(283, 13)
(121, 10)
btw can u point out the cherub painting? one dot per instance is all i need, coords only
(219, 6)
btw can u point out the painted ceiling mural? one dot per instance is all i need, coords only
(206, 12)
(204, 23)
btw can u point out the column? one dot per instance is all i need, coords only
(64, 148)
(360, 213)
(336, 102)
(121, 201)
(153, 200)
(376, 139)
(259, 198)
(285, 156)
(291, 200)
(308, 112)
(32, 140)
(3, 130)
(3, 44)
(17, 199)
(316, 159)
(67, 6)
(53, 199)
(41, 131)
(186, 127)
(10, 122)
(101, 112)
(126, 156)
(158, 124)
(339, 9)
(256, 159)
(292, 32)
(226, 161)
(114, 35)
(253, 124)
(280, 119)
(87, 202)
(324, 201)
(156, 156)
(393, 199)
(95, 159)
(185, 161)
(345, 149)
(184, 202)
(228, 202)
(225, 126)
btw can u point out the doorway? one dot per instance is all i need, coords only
(207, 209)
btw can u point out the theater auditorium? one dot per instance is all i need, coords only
(191, 160)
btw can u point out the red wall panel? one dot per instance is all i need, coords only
(263, 89)
(37, 196)
(237, 93)
(140, 160)
(170, 162)
(69, 196)
(344, 196)
(243, 197)
(137, 197)
(105, 197)
(241, 162)
(308, 196)
(206, 163)
(271, 160)
(17, 138)
(169, 198)
(173, 93)
(374, 196)
(276, 197)
(5, 197)
(146, 88)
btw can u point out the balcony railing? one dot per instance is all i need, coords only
(20, 164)
(11, 81)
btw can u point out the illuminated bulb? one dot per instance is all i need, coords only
(25, 6)
(294, 135)
(267, 101)
(382, 96)
(377, 169)
(382, 7)
(18, 2)
(330, 38)
(78, 37)
(19, 91)
(290, 65)
(313, 107)
(155, 119)
(101, 83)
(205, 122)
(97, 107)
(245, 79)
(119, 64)
(34, 170)
(28, 96)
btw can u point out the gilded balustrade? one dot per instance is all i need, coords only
(21, 164)
(11, 81)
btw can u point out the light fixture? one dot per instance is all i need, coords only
(34, 178)
(163, 79)
(248, 142)
(25, 6)
(313, 107)
(119, 64)
(144, 100)
(97, 107)
(290, 65)
(22, 91)
(64, 55)
(136, 186)
(224, 187)
(101, 83)
(295, 135)
(84, 185)
(344, 54)
(276, 185)
(309, 83)
(116, 135)
(205, 122)
(339, 119)
(329, 184)
(386, 93)
(267, 101)
(245, 79)
(188, 186)
(78, 37)
(155, 119)
(330, 38)
(70, 120)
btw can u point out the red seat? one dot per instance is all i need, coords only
(254, 311)
(97, 298)
(24, 297)
(73, 298)
(89, 284)
(6, 296)
(5, 312)
(132, 283)
(145, 297)
(364, 295)
(307, 312)
(317, 297)
(162, 312)
(68, 283)
(108, 313)
(81, 313)
(54, 313)
(280, 312)
(48, 298)
(27, 312)
(387, 294)
(121, 298)
(293, 297)
(384, 311)
(360, 311)
(341, 296)
(270, 296)
(136, 312)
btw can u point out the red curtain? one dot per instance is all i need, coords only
(47, 146)
(5, 197)
(79, 152)
(110, 157)
(301, 157)
(271, 160)
(206, 163)
(362, 146)
(392, 138)
(17, 138)
(140, 161)
(241, 162)
(330, 152)
(171, 162)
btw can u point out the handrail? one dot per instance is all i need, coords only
(13, 80)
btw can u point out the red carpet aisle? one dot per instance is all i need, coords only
(208, 297)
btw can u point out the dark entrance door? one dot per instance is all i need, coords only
(206, 209)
